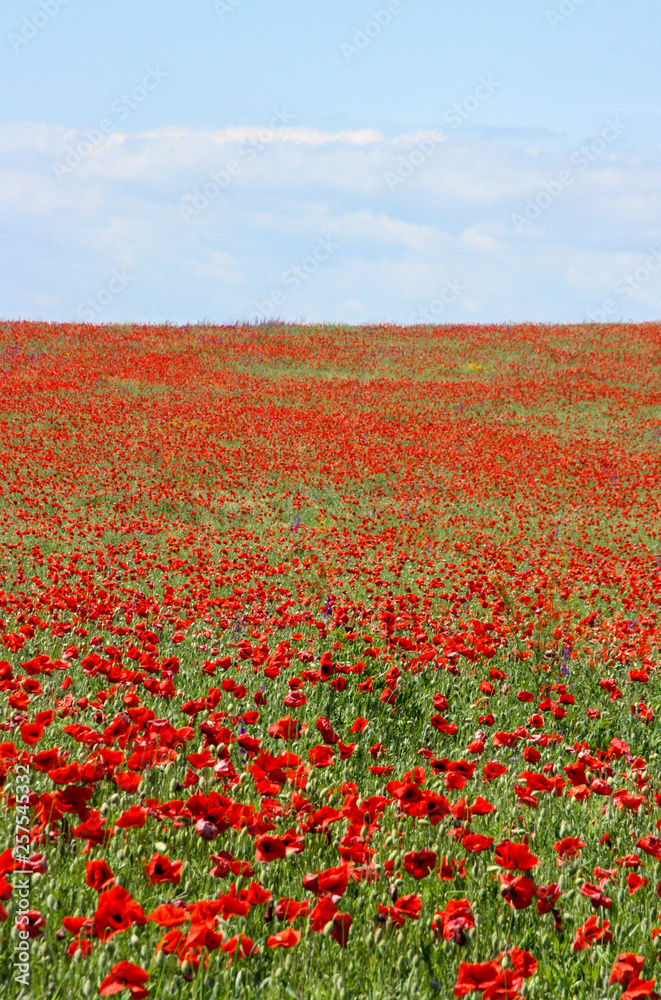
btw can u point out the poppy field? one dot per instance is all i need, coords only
(329, 662)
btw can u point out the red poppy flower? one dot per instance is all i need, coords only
(233, 905)
(451, 922)
(93, 830)
(518, 891)
(268, 848)
(419, 863)
(506, 987)
(359, 725)
(294, 699)
(7, 863)
(327, 733)
(524, 963)
(133, 817)
(46, 760)
(284, 939)
(33, 922)
(547, 897)
(633, 802)
(19, 700)
(116, 910)
(6, 889)
(325, 913)
(161, 869)
(98, 874)
(627, 967)
(476, 842)
(202, 934)
(651, 844)
(510, 855)
(502, 739)
(124, 976)
(291, 909)
(285, 729)
(447, 870)
(238, 947)
(639, 988)
(167, 915)
(635, 882)
(476, 977)
(410, 906)
(321, 756)
(568, 847)
(334, 880)
(596, 896)
(481, 807)
(171, 943)
(36, 863)
(256, 894)
(31, 732)
(592, 932)
(388, 696)
(493, 769)
(460, 809)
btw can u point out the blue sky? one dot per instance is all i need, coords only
(401, 161)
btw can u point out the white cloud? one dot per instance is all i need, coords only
(121, 204)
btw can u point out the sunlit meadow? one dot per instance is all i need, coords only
(330, 662)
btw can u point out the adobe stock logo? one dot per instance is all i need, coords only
(363, 37)
(93, 138)
(452, 291)
(294, 277)
(581, 159)
(36, 22)
(94, 305)
(196, 201)
(455, 117)
(407, 165)
(627, 287)
(462, 110)
(563, 12)
(223, 7)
